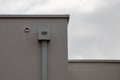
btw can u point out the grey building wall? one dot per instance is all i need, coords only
(20, 52)
(94, 70)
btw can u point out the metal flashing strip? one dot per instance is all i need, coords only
(93, 61)
(34, 16)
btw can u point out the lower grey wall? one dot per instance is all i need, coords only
(94, 70)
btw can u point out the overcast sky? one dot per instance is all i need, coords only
(94, 27)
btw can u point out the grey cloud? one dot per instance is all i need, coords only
(105, 41)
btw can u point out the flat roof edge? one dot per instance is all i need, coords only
(34, 16)
(94, 61)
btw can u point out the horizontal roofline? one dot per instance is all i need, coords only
(34, 16)
(93, 61)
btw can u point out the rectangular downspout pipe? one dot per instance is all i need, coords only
(44, 37)
(44, 60)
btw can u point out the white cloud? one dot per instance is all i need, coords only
(65, 6)
(15, 6)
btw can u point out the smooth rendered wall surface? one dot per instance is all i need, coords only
(94, 71)
(20, 52)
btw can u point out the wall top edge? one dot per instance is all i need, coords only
(94, 61)
(34, 16)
